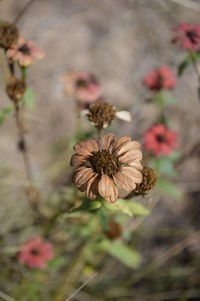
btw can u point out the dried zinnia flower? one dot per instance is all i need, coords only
(83, 86)
(101, 114)
(24, 52)
(102, 170)
(159, 140)
(15, 89)
(188, 36)
(114, 230)
(36, 252)
(9, 34)
(149, 179)
(160, 78)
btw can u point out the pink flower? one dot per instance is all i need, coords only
(161, 78)
(36, 252)
(159, 140)
(188, 36)
(83, 86)
(24, 52)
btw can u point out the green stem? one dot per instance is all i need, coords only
(24, 73)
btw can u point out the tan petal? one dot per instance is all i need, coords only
(120, 142)
(108, 140)
(107, 189)
(92, 187)
(131, 156)
(124, 182)
(77, 160)
(132, 172)
(128, 146)
(82, 175)
(85, 148)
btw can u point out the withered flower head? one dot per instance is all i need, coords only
(15, 89)
(114, 230)
(102, 170)
(149, 179)
(101, 114)
(9, 34)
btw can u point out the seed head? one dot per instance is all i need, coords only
(114, 230)
(149, 179)
(16, 89)
(9, 34)
(101, 114)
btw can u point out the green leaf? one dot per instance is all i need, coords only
(183, 65)
(119, 205)
(169, 188)
(4, 113)
(122, 252)
(103, 219)
(164, 165)
(29, 97)
(138, 209)
(57, 262)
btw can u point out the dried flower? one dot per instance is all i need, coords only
(188, 36)
(15, 89)
(24, 52)
(159, 140)
(83, 86)
(101, 114)
(9, 34)
(149, 179)
(36, 252)
(102, 170)
(114, 230)
(160, 78)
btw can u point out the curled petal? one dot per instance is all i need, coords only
(128, 146)
(82, 175)
(77, 160)
(131, 172)
(85, 148)
(107, 189)
(107, 141)
(92, 187)
(130, 157)
(120, 142)
(124, 182)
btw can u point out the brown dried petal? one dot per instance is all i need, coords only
(107, 189)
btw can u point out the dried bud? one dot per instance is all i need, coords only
(9, 34)
(149, 179)
(114, 230)
(16, 89)
(101, 114)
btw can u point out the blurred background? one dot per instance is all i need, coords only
(119, 41)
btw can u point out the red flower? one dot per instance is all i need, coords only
(36, 252)
(160, 78)
(159, 140)
(188, 36)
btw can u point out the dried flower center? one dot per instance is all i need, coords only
(35, 251)
(160, 138)
(159, 81)
(25, 49)
(104, 162)
(192, 35)
(8, 34)
(101, 114)
(81, 83)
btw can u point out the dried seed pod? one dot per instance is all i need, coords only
(149, 179)
(9, 34)
(114, 230)
(16, 89)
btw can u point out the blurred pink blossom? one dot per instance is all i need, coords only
(188, 36)
(160, 78)
(36, 252)
(24, 52)
(83, 86)
(159, 140)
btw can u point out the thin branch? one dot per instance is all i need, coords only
(23, 11)
(5, 297)
(82, 286)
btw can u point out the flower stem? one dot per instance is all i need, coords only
(194, 63)
(32, 193)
